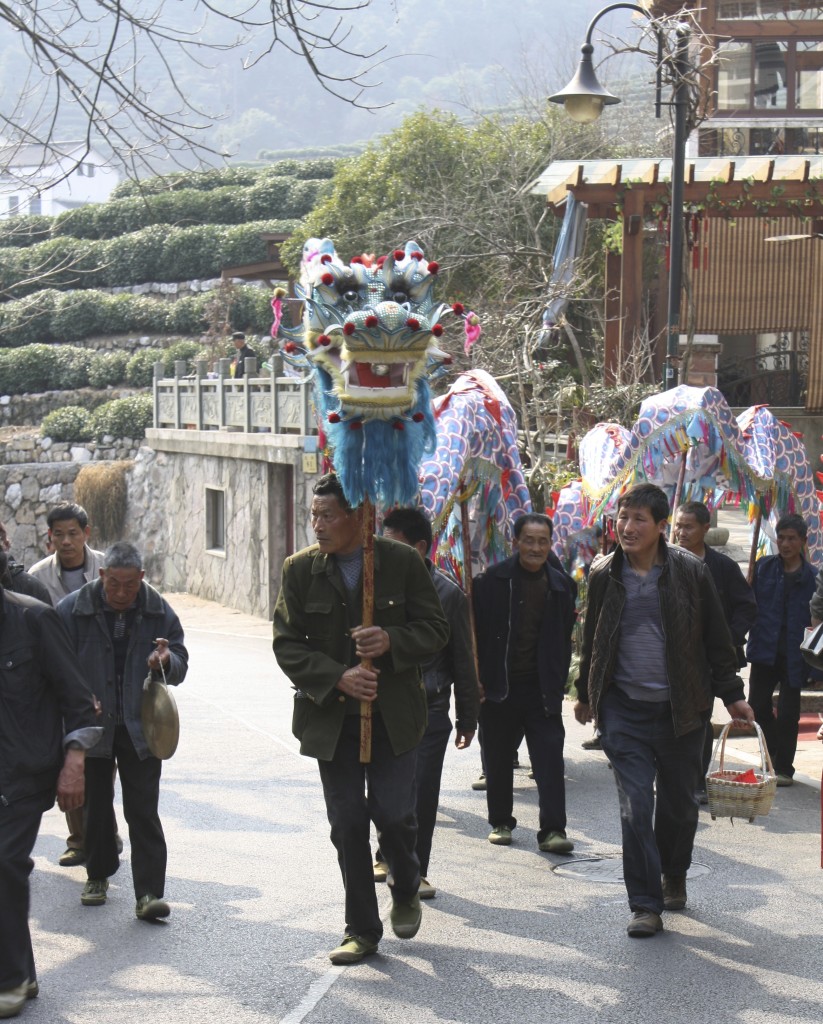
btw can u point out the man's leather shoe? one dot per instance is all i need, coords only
(674, 892)
(150, 908)
(12, 1000)
(353, 949)
(72, 858)
(426, 891)
(406, 917)
(644, 924)
(381, 871)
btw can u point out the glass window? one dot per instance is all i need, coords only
(769, 75)
(14, 205)
(35, 205)
(809, 63)
(215, 519)
(734, 75)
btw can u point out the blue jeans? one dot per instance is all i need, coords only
(639, 741)
(389, 803)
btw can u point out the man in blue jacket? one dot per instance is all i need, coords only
(119, 627)
(524, 614)
(784, 585)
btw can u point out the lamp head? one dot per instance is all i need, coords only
(584, 97)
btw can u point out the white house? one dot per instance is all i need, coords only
(52, 179)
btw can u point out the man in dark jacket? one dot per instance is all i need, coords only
(47, 722)
(14, 577)
(453, 664)
(524, 614)
(656, 651)
(120, 626)
(244, 352)
(319, 641)
(784, 585)
(692, 523)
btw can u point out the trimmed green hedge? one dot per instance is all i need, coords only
(156, 253)
(123, 417)
(53, 316)
(25, 230)
(206, 181)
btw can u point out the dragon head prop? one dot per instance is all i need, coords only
(369, 336)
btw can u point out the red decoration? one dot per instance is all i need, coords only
(357, 259)
(458, 309)
(418, 417)
(324, 340)
(398, 254)
(334, 417)
(448, 361)
(398, 425)
(356, 425)
(327, 278)
(349, 329)
(433, 267)
(381, 260)
(417, 255)
(437, 330)
(290, 347)
(412, 324)
(371, 320)
(325, 258)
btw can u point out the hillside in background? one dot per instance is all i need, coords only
(453, 54)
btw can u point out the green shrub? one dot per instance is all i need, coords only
(72, 423)
(185, 350)
(107, 369)
(124, 417)
(140, 368)
(72, 367)
(75, 316)
(28, 320)
(20, 232)
(29, 370)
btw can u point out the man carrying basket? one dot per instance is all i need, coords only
(656, 651)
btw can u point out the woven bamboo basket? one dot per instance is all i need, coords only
(731, 799)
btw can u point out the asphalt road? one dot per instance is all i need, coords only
(257, 899)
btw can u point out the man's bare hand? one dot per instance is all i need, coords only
(359, 682)
(370, 641)
(463, 739)
(740, 711)
(583, 712)
(160, 655)
(71, 783)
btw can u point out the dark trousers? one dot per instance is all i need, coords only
(140, 785)
(780, 733)
(74, 822)
(19, 824)
(639, 741)
(383, 792)
(503, 722)
(430, 756)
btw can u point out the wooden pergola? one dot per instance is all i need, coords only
(740, 283)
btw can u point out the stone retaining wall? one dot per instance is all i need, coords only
(31, 410)
(27, 492)
(24, 450)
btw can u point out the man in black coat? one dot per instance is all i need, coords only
(244, 352)
(524, 613)
(47, 722)
(691, 525)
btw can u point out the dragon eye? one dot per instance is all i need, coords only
(400, 298)
(351, 295)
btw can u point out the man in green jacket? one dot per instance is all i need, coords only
(319, 644)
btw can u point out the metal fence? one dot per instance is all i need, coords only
(772, 378)
(216, 401)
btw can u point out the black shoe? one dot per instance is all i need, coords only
(72, 858)
(644, 924)
(592, 744)
(674, 892)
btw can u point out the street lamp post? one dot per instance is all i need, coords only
(584, 99)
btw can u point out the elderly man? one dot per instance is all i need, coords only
(71, 565)
(47, 721)
(244, 352)
(319, 642)
(119, 626)
(656, 652)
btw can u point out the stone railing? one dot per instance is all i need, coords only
(215, 401)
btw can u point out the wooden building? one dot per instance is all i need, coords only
(753, 305)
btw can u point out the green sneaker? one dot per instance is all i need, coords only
(94, 892)
(150, 908)
(406, 917)
(556, 842)
(500, 836)
(353, 949)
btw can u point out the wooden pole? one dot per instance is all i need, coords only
(367, 513)
(465, 526)
(678, 491)
(755, 540)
